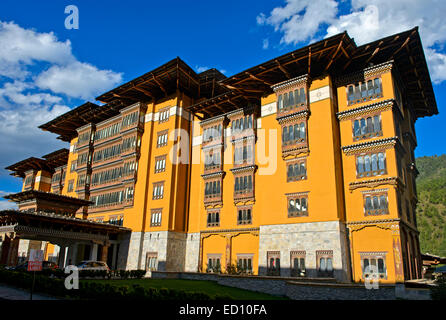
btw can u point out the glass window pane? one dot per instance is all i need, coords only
(285, 134)
(370, 88)
(280, 104)
(374, 162)
(322, 266)
(302, 96)
(360, 164)
(291, 98)
(377, 86)
(285, 100)
(356, 128)
(368, 203)
(329, 264)
(297, 205)
(363, 90)
(296, 132)
(302, 130)
(383, 202)
(369, 125)
(296, 97)
(381, 268)
(304, 204)
(381, 163)
(377, 123)
(367, 163)
(375, 202)
(363, 126)
(291, 133)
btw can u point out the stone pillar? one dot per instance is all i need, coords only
(13, 254)
(72, 254)
(62, 256)
(94, 252)
(5, 250)
(115, 253)
(104, 254)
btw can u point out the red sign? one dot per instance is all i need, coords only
(34, 265)
(35, 260)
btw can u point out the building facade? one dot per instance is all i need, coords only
(302, 166)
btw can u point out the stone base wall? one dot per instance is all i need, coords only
(308, 237)
(305, 289)
(192, 252)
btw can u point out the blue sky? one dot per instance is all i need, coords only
(46, 69)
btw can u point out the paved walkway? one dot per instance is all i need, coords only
(11, 293)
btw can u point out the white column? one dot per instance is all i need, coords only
(94, 252)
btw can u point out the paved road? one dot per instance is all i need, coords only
(11, 293)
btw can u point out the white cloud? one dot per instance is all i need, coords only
(6, 205)
(265, 44)
(368, 20)
(38, 74)
(81, 80)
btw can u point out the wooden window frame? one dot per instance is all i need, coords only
(240, 146)
(244, 221)
(280, 98)
(156, 213)
(375, 211)
(373, 256)
(371, 173)
(239, 180)
(70, 186)
(359, 85)
(324, 254)
(240, 266)
(298, 213)
(158, 184)
(159, 143)
(154, 256)
(238, 128)
(209, 194)
(214, 258)
(160, 158)
(367, 135)
(207, 155)
(273, 270)
(210, 213)
(294, 142)
(296, 177)
(298, 254)
(166, 111)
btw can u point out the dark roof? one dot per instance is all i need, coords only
(66, 124)
(57, 158)
(32, 163)
(338, 55)
(58, 221)
(35, 194)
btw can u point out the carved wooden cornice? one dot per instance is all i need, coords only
(248, 168)
(304, 114)
(392, 181)
(217, 119)
(294, 152)
(367, 109)
(291, 83)
(213, 175)
(360, 75)
(388, 224)
(378, 144)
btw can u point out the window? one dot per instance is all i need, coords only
(244, 263)
(162, 139)
(107, 199)
(128, 144)
(158, 190)
(129, 119)
(213, 219)
(84, 137)
(324, 263)
(107, 153)
(371, 164)
(129, 168)
(373, 265)
(160, 164)
(364, 91)
(292, 99)
(106, 176)
(212, 159)
(128, 193)
(164, 115)
(73, 165)
(296, 170)
(214, 263)
(273, 263)
(155, 220)
(151, 261)
(81, 181)
(29, 180)
(244, 215)
(243, 154)
(297, 261)
(375, 204)
(240, 125)
(82, 159)
(212, 189)
(116, 220)
(368, 127)
(55, 179)
(107, 132)
(70, 186)
(212, 133)
(297, 205)
(294, 133)
(243, 185)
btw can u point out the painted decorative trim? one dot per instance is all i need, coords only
(218, 118)
(381, 144)
(377, 106)
(290, 83)
(393, 181)
(360, 75)
(304, 114)
(243, 169)
(268, 109)
(213, 175)
(297, 194)
(320, 94)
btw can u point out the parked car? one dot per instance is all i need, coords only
(45, 266)
(93, 265)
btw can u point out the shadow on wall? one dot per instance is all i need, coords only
(338, 274)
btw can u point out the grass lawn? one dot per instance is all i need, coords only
(210, 287)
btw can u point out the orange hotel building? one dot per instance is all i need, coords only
(300, 166)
